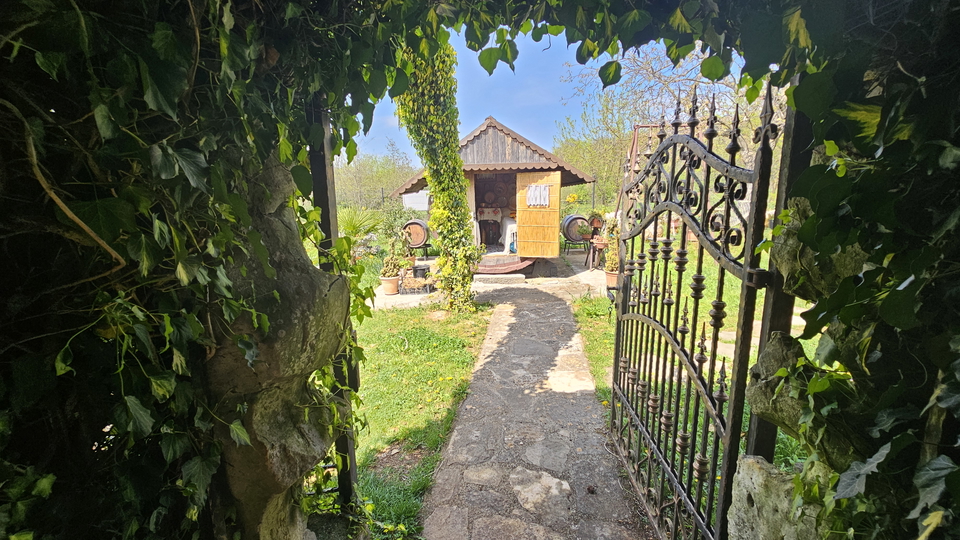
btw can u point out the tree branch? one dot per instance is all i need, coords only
(32, 157)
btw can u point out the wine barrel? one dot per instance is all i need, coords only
(569, 226)
(417, 232)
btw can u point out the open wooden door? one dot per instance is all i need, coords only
(538, 223)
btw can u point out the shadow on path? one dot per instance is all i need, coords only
(527, 457)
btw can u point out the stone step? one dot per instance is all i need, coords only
(505, 279)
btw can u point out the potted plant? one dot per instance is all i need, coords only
(390, 274)
(585, 231)
(595, 219)
(612, 264)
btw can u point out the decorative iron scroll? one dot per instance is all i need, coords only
(690, 219)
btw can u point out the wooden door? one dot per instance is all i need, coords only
(538, 227)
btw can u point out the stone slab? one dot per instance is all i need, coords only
(502, 279)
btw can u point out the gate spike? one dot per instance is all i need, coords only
(662, 134)
(649, 151)
(734, 135)
(711, 130)
(693, 121)
(767, 127)
(677, 122)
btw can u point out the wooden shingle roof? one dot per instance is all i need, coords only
(495, 147)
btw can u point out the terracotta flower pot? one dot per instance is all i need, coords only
(586, 236)
(391, 285)
(611, 278)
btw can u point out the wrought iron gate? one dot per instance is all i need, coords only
(690, 221)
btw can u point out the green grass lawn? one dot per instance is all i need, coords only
(417, 371)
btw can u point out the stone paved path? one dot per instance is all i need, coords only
(527, 457)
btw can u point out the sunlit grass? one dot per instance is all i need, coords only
(417, 371)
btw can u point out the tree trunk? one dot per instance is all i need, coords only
(290, 430)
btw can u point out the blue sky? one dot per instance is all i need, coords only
(530, 101)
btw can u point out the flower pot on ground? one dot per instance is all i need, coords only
(390, 273)
(391, 285)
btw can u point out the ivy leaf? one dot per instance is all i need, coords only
(239, 434)
(198, 471)
(633, 22)
(899, 308)
(815, 94)
(141, 248)
(180, 362)
(44, 486)
(797, 29)
(400, 83)
(854, 480)
(163, 83)
(250, 350)
(107, 217)
(162, 161)
(610, 73)
(489, 58)
(931, 482)
(303, 179)
(105, 125)
(173, 445)
(50, 62)
(187, 269)
(162, 383)
(165, 43)
(761, 42)
(509, 52)
(63, 359)
(586, 51)
(256, 242)
(887, 419)
(713, 68)
(194, 166)
(867, 117)
(141, 421)
(679, 22)
(22, 535)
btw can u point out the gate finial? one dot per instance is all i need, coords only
(711, 132)
(677, 122)
(766, 118)
(734, 145)
(662, 134)
(693, 121)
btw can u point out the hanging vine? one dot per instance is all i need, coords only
(428, 110)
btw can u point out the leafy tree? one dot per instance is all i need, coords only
(364, 181)
(428, 110)
(648, 92)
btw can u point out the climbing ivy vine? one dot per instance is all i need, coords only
(428, 111)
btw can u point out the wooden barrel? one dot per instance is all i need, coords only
(569, 226)
(417, 232)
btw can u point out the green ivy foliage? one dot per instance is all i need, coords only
(428, 110)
